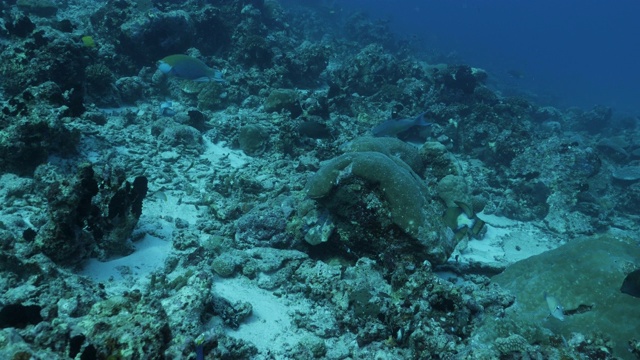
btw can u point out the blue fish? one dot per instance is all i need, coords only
(190, 68)
(397, 127)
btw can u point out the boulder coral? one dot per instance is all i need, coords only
(585, 276)
(375, 190)
(389, 146)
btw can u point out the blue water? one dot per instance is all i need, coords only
(570, 52)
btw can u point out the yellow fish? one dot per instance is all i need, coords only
(88, 41)
(463, 221)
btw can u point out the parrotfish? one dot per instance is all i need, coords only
(397, 127)
(555, 309)
(190, 68)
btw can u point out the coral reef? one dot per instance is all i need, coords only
(147, 216)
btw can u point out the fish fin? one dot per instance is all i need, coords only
(466, 208)
(461, 233)
(477, 227)
(450, 217)
(420, 120)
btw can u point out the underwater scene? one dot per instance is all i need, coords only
(289, 179)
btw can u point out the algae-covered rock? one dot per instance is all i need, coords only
(439, 160)
(585, 277)
(453, 188)
(378, 193)
(225, 265)
(282, 99)
(253, 139)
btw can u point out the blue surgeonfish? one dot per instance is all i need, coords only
(190, 68)
(396, 127)
(555, 309)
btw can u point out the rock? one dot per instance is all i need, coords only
(452, 188)
(253, 139)
(282, 99)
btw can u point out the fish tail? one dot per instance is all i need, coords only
(420, 120)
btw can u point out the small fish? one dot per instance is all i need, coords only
(160, 196)
(555, 309)
(88, 41)
(190, 68)
(166, 109)
(314, 129)
(464, 221)
(396, 127)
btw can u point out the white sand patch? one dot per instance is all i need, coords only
(149, 256)
(498, 221)
(505, 242)
(269, 328)
(162, 205)
(220, 155)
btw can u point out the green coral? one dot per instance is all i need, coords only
(99, 78)
(211, 95)
(402, 191)
(391, 147)
(401, 187)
